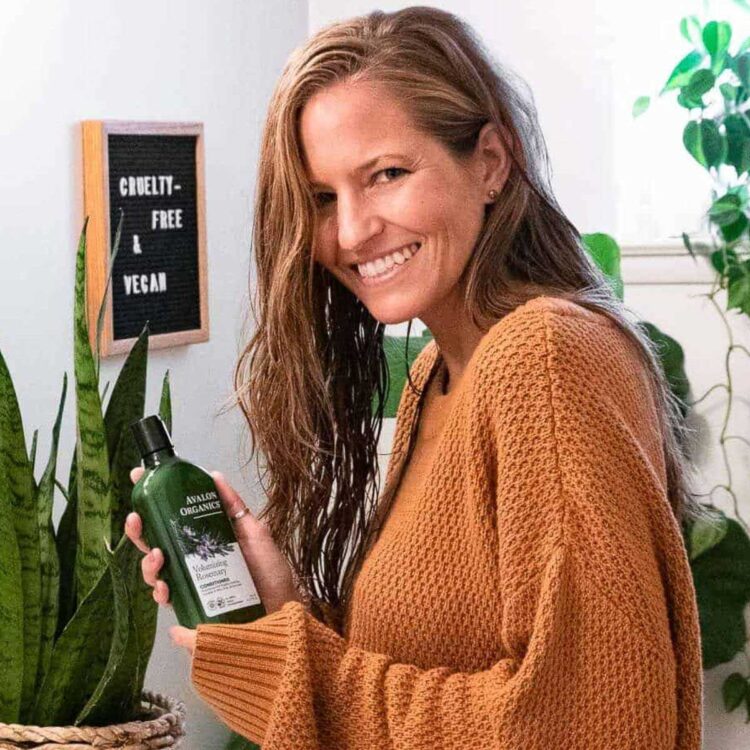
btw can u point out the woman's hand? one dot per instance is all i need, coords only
(268, 566)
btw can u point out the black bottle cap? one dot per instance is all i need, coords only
(151, 435)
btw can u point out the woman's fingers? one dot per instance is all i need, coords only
(134, 530)
(153, 559)
(161, 593)
(151, 565)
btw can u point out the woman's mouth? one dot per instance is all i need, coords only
(384, 269)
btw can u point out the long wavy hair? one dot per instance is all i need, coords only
(312, 381)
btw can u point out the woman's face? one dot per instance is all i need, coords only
(385, 190)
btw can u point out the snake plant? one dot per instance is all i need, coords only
(77, 621)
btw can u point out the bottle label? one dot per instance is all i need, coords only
(213, 556)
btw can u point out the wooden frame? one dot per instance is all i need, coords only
(97, 207)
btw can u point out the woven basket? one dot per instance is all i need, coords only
(162, 725)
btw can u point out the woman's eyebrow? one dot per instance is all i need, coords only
(369, 163)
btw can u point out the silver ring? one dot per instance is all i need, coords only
(241, 513)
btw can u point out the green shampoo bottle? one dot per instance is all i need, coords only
(183, 516)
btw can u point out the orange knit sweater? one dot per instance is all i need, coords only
(529, 589)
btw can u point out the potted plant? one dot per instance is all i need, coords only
(77, 622)
(713, 88)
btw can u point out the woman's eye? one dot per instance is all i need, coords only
(323, 199)
(389, 169)
(320, 198)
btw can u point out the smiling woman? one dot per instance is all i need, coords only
(521, 581)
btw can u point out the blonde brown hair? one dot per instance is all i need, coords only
(313, 379)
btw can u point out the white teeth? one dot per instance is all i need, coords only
(399, 257)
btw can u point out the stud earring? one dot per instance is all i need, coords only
(493, 194)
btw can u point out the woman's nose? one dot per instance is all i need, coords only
(358, 221)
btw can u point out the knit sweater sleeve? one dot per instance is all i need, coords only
(584, 657)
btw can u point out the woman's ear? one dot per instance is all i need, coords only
(493, 157)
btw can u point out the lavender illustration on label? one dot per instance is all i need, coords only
(201, 543)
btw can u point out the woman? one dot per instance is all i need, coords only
(522, 581)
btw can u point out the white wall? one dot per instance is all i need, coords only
(64, 62)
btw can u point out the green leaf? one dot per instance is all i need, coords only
(65, 541)
(705, 534)
(700, 83)
(165, 403)
(93, 500)
(733, 691)
(688, 244)
(103, 305)
(640, 105)
(238, 742)
(718, 259)
(32, 452)
(690, 28)
(110, 701)
(729, 92)
(704, 142)
(50, 564)
(20, 482)
(672, 358)
(725, 210)
(732, 232)
(606, 254)
(738, 142)
(722, 583)
(741, 67)
(738, 295)
(682, 71)
(11, 594)
(716, 38)
(685, 101)
(125, 407)
(79, 657)
(394, 348)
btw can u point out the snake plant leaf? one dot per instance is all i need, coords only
(50, 564)
(93, 480)
(103, 303)
(79, 657)
(65, 541)
(722, 584)
(120, 697)
(105, 705)
(32, 452)
(11, 608)
(165, 403)
(20, 482)
(126, 405)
